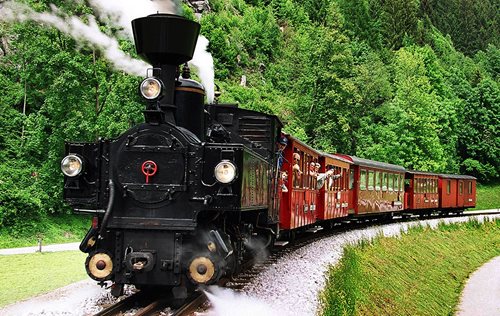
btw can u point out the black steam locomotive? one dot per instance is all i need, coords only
(185, 197)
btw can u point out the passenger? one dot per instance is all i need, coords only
(312, 167)
(282, 142)
(328, 175)
(297, 173)
(316, 168)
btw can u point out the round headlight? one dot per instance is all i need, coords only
(225, 171)
(150, 88)
(71, 165)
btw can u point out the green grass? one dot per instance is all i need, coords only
(23, 276)
(488, 197)
(52, 230)
(420, 273)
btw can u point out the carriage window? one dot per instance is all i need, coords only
(396, 182)
(461, 185)
(338, 181)
(351, 179)
(313, 170)
(391, 182)
(448, 186)
(377, 180)
(362, 180)
(384, 181)
(371, 179)
(416, 185)
(297, 168)
(470, 187)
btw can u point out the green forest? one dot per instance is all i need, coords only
(409, 82)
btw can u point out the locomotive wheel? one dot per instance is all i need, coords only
(201, 270)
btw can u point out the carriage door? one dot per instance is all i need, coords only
(460, 195)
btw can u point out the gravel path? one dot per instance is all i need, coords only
(482, 292)
(47, 248)
(75, 299)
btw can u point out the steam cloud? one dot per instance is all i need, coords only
(203, 62)
(226, 302)
(121, 13)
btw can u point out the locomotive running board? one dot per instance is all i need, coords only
(280, 243)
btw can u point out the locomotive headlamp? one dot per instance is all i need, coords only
(150, 88)
(225, 171)
(71, 165)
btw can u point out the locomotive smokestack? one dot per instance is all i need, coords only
(166, 41)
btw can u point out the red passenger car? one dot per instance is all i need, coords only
(334, 194)
(457, 191)
(375, 187)
(421, 191)
(299, 206)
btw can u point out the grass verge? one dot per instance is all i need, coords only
(420, 273)
(23, 276)
(488, 197)
(52, 229)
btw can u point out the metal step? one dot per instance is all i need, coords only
(314, 229)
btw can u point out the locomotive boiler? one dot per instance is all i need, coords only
(183, 198)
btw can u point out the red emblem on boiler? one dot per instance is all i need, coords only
(149, 169)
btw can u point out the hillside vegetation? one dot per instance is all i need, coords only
(414, 83)
(420, 273)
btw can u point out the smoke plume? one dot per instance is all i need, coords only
(122, 12)
(76, 28)
(119, 13)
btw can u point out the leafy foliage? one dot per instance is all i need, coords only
(414, 83)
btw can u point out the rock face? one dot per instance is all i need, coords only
(199, 6)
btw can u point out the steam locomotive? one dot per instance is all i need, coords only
(196, 190)
(183, 198)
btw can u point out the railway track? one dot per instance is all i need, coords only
(151, 304)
